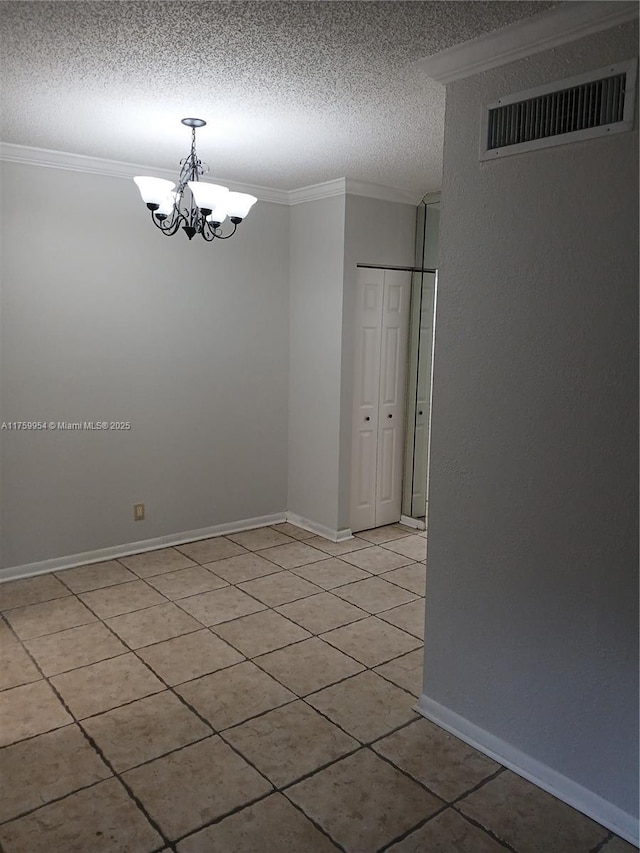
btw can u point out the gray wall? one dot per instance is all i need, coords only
(532, 592)
(104, 318)
(315, 306)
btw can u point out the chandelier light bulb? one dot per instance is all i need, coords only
(153, 190)
(167, 204)
(239, 204)
(203, 209)
(207, 196)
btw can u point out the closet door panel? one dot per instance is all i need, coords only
(393, 367)
(381, 337)
(369, 295)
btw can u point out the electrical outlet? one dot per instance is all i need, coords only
(138, 512)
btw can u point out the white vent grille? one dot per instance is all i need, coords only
(595, 104)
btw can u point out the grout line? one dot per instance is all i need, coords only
(413, 829)
(44, 601)
(601, 844)
(394, 683)
(99, 752)
(51, 633)
(487, 831)
(479, 785)
(317, 825)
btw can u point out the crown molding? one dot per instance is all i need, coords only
(396, 194)
(115, 169)
(12, 153)
(349, 186)
(554, 27)
(314, 192)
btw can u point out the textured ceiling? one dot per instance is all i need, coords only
(294, 93)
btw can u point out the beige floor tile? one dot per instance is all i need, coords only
(529, 819)
(145, 729)
(618, 845)
(442, 762)
(153, 625)
(186, 582)
(246, 567)
(289, 742)
(406, 671)
(375, 595)
(376, 559)
(100, 819)
(414, 547)
(372, 641)
(95, 576)
(448, 832)
(322, 612)
(105, 685)
(29, 710)
(233, 695)
(16, 667)
(124, 598)
(45, 768)
(189, 656)
(25, 591)
(292, 556)
(261, 537)
(260, 633)
(412, 577)
(331, 573)
(220, 605)
(280, 588)
(292, 530)
(308, 666)
(366, 706)
(336, 549)
(409, 617)
(272, 825)
(74, 647)
(36, 620)
(191, 787)
(209, 550)
(156, 562)
(363, 802)
(385, 534)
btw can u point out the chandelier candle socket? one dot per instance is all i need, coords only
(199, 207)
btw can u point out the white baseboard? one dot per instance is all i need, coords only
(565, 789)
(102, 554)
(412, 522)
(320, 529)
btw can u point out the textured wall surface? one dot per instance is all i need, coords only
(315, 306)
(532, 592)
(104, 318)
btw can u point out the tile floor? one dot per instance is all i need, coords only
(251, 693)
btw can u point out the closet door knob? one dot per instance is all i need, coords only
(389, 416)
(367, 418)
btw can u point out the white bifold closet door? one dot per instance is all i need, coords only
(382, 328)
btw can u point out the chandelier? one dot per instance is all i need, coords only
(199, 207)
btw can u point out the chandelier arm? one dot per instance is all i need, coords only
(208, 233)
(230, 234)
(168, 227)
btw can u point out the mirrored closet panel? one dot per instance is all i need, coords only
(421, 336)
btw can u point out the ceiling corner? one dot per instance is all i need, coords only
(559, 25)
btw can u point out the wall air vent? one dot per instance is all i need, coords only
(595, 104)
